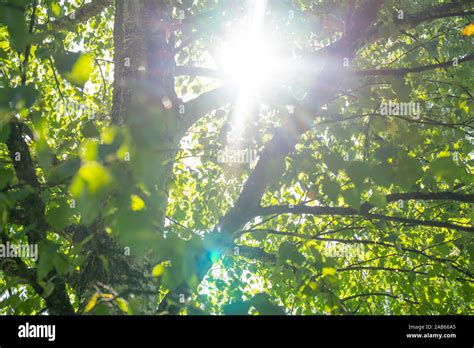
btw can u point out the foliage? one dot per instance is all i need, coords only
(347, 212)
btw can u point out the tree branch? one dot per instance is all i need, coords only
(81, 15)
(378, 294)
(424, 196)
(255, 253)
(363, 242)
(345, 211)
(57, 302)
(198, 71)
(271, 160)
(203, 105)
(404, 71)
(453, 9)
(18, 150)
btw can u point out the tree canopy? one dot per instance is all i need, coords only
(236, 157)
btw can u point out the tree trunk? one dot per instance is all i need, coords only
(144, 100)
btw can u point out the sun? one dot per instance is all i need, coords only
(249, 60)
(249, 57)
(250, 64)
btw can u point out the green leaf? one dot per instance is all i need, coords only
(352, 198)
(329, 271)
(382, 174)
(89, 130)
(334, 162)
(60, 264)
(58, 214)
(438, 238)
(64, 170)
(75, 67)
(158, 270)
(48, 289)
(409, 171)
(92, 177)
(6, 176)
(122, 304)
(401, 89)
(89, 186)
(330, 189)
(3, 54)
(135, 230)
(383, 153)
(102, 309)
(358, 171)
(236, 308)
(21, 194)
(261, 302)
(446, 169)
(55, 9)
(288, 251)
(470, 250)
(378, 200)
(45, 155)
(47, 251)
(4, 130)
(92, 303)
(136, 203)
(18, 97)
(444, 249)
(14, 18)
